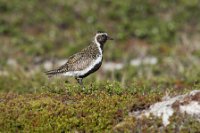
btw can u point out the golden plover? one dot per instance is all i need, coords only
(85, 62)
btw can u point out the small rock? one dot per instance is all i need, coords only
(144, 61)
(111, 66)
(188, 103)
(12, 62)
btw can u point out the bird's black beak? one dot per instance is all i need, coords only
(109, 38)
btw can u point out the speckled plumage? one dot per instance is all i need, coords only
(84, 62)
(80, 60)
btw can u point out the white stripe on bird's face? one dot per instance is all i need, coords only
(97, 42)
(100, 36)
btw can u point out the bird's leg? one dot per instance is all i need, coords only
(80, 81)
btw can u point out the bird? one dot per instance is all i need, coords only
(85, 62)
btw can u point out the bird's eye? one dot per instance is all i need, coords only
(104, 36)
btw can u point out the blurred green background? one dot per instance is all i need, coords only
(160, 38)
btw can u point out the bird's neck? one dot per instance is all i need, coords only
(99, 46)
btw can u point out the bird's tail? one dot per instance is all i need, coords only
(52, 73)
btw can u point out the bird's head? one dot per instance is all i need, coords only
(102, 37)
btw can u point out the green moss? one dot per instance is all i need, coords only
(95, 112)
(88, 111)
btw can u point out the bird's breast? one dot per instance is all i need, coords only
(94, 66)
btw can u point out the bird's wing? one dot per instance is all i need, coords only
(76, 62)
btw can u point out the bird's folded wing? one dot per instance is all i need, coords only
(76, 62)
